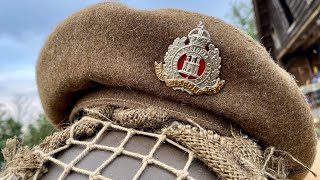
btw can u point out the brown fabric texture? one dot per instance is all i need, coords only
(132, 99)
(110, 46)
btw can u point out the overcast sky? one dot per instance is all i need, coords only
(25, 24)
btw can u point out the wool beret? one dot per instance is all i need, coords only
(105, 55)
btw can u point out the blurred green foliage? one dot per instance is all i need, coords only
(242, 15)
(8, 129)
(33, 135)
(39, 131)
(318, 131)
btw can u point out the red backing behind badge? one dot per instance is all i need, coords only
(200, 71)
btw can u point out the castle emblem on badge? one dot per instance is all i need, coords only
(192, 64)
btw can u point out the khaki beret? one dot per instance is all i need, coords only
(105, 55)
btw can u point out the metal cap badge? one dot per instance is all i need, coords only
(192, 64)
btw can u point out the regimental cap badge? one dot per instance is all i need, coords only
(192, 64)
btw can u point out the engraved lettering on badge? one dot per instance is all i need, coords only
(192, 64)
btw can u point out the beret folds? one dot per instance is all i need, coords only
(105, 54)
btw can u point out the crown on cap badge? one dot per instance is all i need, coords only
(192, 64)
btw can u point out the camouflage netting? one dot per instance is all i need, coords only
(235, 157)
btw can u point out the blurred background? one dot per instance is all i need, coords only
(289, 29)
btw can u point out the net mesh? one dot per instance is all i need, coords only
(116, 151)
(234, 157)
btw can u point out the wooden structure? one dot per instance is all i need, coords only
(290, 30)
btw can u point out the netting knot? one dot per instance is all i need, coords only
(162, 137)
(148, 159)
(118, 150)
(68, 142)
(91, 146)
(182, 174)
(131, 132)
(68, 169)
(94, 176)
(106, 123)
